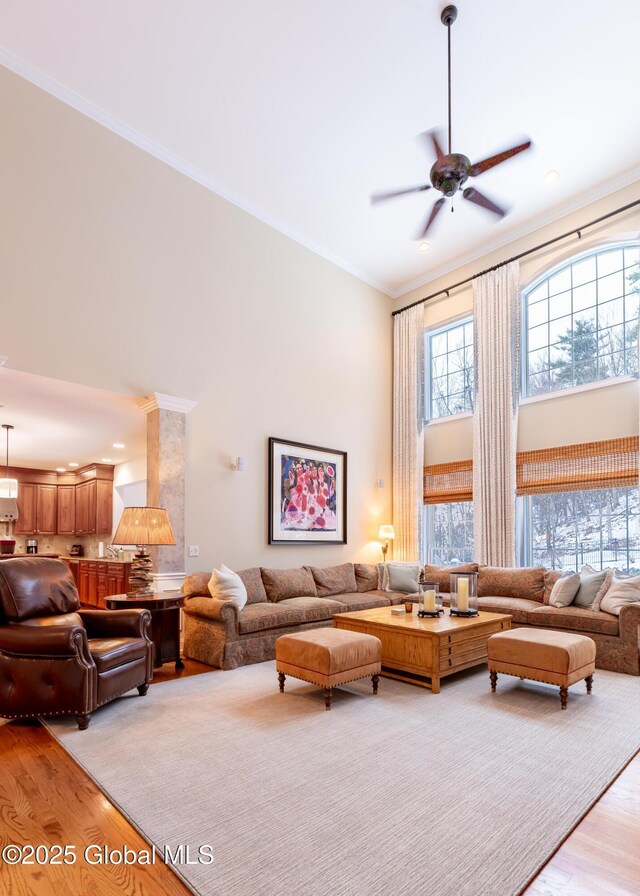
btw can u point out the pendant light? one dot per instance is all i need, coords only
(8, 490)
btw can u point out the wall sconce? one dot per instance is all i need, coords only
(239, 465)
(387, 534)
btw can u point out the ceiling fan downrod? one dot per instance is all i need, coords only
(448, 16)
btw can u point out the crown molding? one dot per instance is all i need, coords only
(159, 401)
(95, 113)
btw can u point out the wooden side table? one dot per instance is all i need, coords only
(165, 622)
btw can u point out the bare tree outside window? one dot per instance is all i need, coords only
(449, 533)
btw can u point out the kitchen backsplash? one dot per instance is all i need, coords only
(61, 544)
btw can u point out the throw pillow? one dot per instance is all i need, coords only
(565, 590)
(441, 574)
(403, 578)
(225, 584)
(621, 592)
(334, 579)
(593, 587)
(511, 581)
(366, 576)
(281, 584)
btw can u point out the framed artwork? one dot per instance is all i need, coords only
(307, 494)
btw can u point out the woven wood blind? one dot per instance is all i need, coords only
(448, 482)
(609, 464)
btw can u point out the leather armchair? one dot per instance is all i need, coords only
(56, 658)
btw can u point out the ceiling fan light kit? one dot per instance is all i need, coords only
(451, 170)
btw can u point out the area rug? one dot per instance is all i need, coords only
(412, 793)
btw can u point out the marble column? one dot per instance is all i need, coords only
(166, 460)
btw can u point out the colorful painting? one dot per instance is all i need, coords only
(307, 494)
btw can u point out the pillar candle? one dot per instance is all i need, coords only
(430, 601)
(463, 595)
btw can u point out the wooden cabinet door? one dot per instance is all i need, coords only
(93, 585)
(66, 510)
(116, 579)
(27, 522)
(83, 581)
(86, 508)
(104, 507)
(47, 509)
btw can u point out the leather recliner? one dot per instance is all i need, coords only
(59, 659)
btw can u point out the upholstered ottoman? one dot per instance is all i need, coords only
(328, 657)
(560, 658)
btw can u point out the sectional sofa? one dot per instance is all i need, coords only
(287, 600)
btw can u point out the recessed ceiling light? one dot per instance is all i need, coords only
(424, 247)
(61, 469)
(106, 460)
(118, 445)
(73, 464)
(552, 176)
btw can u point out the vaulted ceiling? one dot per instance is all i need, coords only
(297, 110)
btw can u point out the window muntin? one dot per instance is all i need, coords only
(449, 367)
(580, 323)
(601, 527)
(448, 533)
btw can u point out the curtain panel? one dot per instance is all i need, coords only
(496, 303)
(408, 432)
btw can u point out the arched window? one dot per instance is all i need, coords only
(580, 321)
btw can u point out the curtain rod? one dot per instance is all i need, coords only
(556, 239)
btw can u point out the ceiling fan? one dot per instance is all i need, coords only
(451, 170)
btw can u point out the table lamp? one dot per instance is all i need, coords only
(387, 534)
(143, 526)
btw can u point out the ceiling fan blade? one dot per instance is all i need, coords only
(474, 195)
(434, 211)
(380, 197)
(432, 137)
(485, 164)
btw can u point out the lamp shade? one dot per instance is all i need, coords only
(144, 525)
(386, 532)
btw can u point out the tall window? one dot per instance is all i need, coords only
(600, 527)
(449, 368)
(580, 323)
(449, 533)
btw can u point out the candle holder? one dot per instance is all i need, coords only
(463, 588)
(430, 605)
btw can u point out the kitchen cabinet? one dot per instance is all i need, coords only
(37, 509)
(94, 507)
(66, 510)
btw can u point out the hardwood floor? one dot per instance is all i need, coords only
(45, 798)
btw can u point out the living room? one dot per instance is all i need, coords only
(152, 237)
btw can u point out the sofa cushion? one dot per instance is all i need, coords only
(254, 585)
(441, 574)
(594, 584)
(621, 592)
(333, 579)
(368, 601)
(577, 619)
(551, 576)
(259, 617)
(565, 590)
(366, 576)
(282, 583)
(109, 653)
(517, 607)
(512, 581)
(314, 609)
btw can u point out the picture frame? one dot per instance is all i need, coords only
(307, 493)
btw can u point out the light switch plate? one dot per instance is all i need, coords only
(194, 550)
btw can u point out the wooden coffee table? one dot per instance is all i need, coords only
(422, 651)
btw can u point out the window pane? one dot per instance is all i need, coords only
(611, 287)
(583, 271)
(538, 360)
(539, 383)
(560, 282)
(449, 533)
(560, 305)
(608, 262)
(438, 344)
(611, 313)
(599, 527)
(584, 296)
(541, 292)
(631, 255)
(538, 313)
(538, 337)
(632, 306)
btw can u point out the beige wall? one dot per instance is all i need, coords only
(602, 413)
(120, 273)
